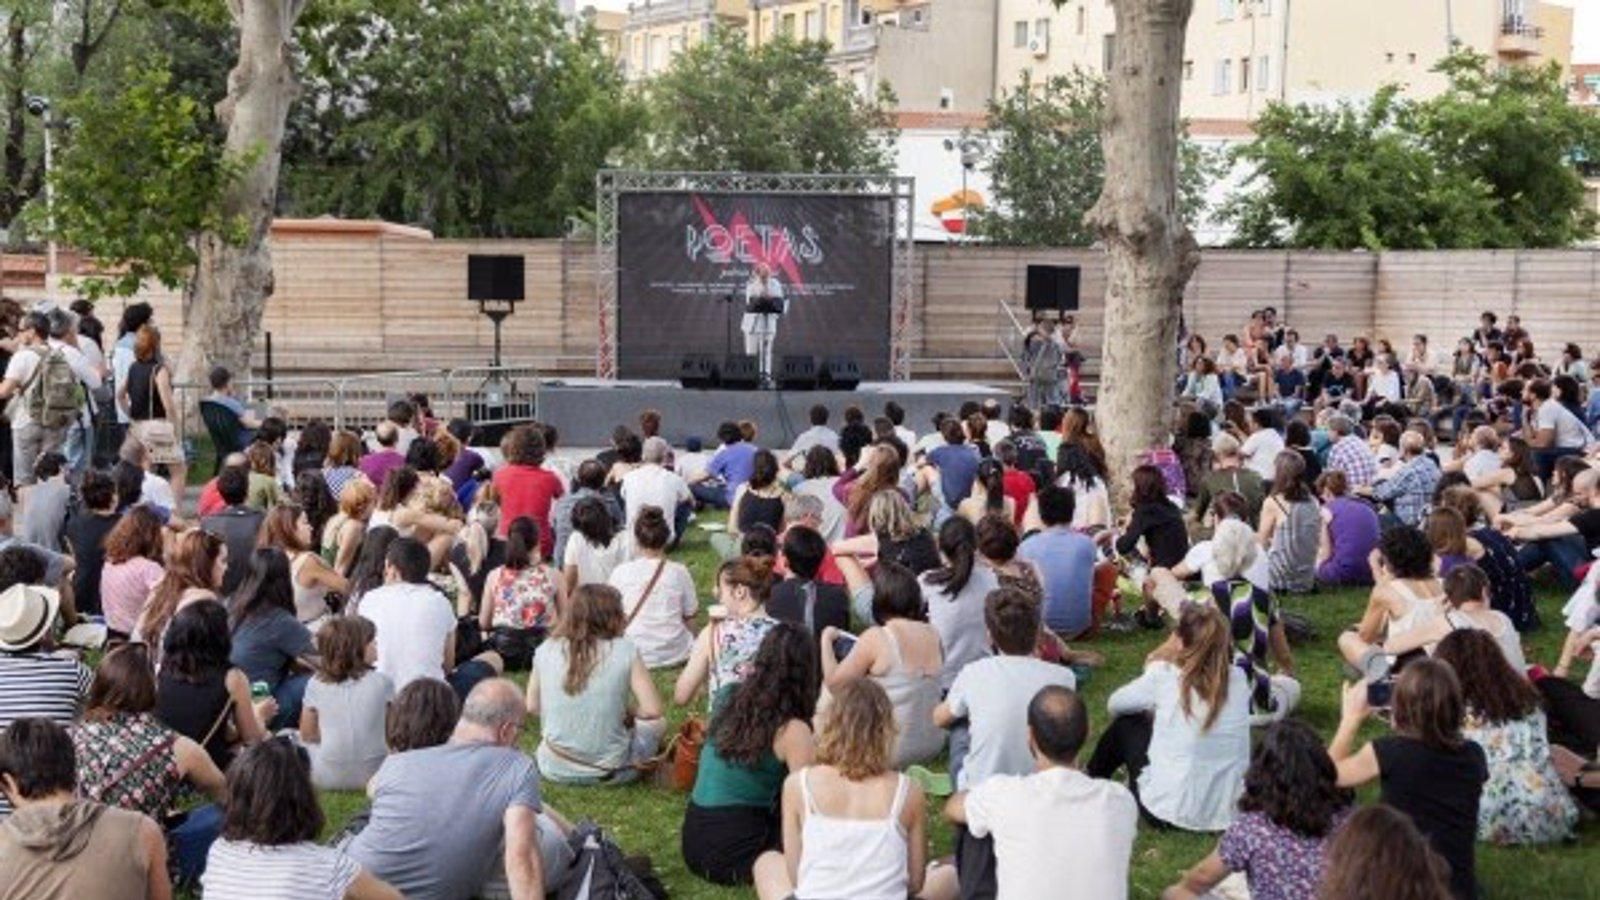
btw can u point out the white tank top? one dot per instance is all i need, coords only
(310, 603)
(859, 859)
(1418, 611)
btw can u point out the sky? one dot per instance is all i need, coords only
(1585, 28)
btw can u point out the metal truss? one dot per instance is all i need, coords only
(899, 189)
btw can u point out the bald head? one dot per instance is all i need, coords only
(494, 710)
(387, 433)
(1058, 722)
(1413, 444)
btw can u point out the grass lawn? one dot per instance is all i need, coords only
(646, 819)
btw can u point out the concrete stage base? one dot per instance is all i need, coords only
(585, 410)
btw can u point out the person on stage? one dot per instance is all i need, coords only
(764, 305)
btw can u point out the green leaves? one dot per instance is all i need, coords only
(1485, 164)
(137, 176)
(1047, 167)
(467, 117)
(725, 106)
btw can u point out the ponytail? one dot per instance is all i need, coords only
(1205, 661)
(958, 543)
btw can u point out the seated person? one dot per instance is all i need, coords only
(486, 791)
(600, 714)
(222, 394)
(1066, 562)
(1058, 834)
(802, 598)
(658, 594)
(343, 715)
(853, 826)
(416, 625)
(58, 847)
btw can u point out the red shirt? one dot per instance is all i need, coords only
(210, 502)
(1019, 487)
(528, 491)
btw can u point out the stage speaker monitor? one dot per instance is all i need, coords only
(839, 373)
(741, 373)
(798, 373)
(698, 371)
(1053, 288)
(495, 278)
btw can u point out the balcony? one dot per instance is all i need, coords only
(1518, 38)
(859, 38)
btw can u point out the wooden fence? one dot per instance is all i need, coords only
(362, 296)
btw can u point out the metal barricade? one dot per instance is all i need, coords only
(365, 399)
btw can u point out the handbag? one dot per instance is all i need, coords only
(683, 752)
(516, 645)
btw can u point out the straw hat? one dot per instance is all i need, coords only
(26, 614)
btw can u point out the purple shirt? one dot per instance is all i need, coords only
(1352, 532)
(1279, 864)
(734, 464)
(377, 466)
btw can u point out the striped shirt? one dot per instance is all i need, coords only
(239, 870)
(38, 685)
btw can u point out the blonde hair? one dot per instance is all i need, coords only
(858, 732)
(357, 498)
(482, 521)
(889, 514)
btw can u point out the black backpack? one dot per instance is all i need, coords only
(600, 872)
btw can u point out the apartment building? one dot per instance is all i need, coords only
(934, 54)
(1242, 54)
(656, 31)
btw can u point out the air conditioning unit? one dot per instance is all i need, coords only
(1039, 46)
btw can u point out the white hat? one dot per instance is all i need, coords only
(26, 614)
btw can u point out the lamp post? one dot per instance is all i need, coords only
(40, 106)
(971, 150)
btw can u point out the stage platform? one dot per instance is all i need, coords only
(585, 410)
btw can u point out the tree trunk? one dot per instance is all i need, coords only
(1150, 252)
(223, 306)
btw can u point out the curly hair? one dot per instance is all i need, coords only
(1292, 781)
(781, 687)
(1490, 689)
(858, 731)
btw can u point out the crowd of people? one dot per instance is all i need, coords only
(345, 611)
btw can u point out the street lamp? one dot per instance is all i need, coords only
(40, 106)
(971, 150)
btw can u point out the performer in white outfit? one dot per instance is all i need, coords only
(762, 291)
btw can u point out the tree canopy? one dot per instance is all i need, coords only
(1047, 168)
(467, 117)
(1487, 163)
(726, 106)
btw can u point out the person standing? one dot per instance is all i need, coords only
(764, 305)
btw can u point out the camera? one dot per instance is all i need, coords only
(37, 105)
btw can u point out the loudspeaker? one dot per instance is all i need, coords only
(698, 371)
(741, 373)
(495, 278)
(1053, 287)
(839, 373)
(798, 373)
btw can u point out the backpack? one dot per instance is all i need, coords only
(600, 872)
(1171, 469)
(54, 397)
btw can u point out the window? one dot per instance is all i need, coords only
(1019, 35)
(1411, 58)
(654, 57)
(1263, 75)
(787, 30)
(1222, 77)
(1188, 70)
(1388, 57)
(1041, 32)
(1225, 10)
(1244, 75)
(1083, 15)
(813, 26)
(1108, 52)
(947, 98)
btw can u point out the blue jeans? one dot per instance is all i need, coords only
(191, 841)
(680, 522)
(467, 675)
(712, 495)
(1564, 555)
(291, 695)
(1545, 458)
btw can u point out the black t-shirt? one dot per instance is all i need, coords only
(86, 536)
(1166, 538)
(1439, 790)
(1588, 525)
(788, 604)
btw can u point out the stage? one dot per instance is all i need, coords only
(585, 410)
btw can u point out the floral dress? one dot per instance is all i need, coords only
(734, 645)
(524, 598)
(128, 761)
(1524, 801)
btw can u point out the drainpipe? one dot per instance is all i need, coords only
(1283, 67)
